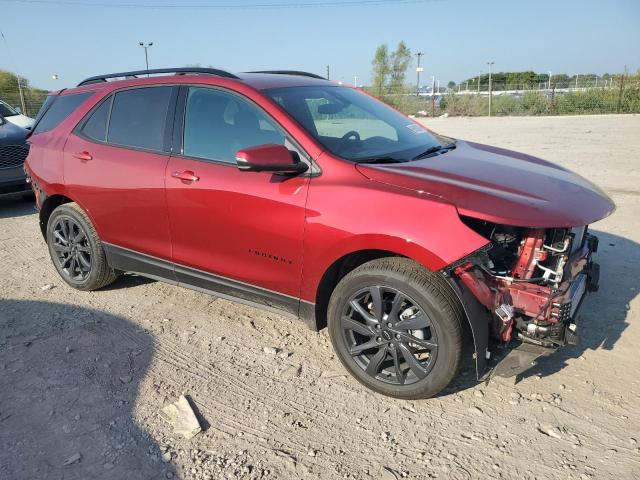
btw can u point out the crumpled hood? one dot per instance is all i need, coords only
(500, 186)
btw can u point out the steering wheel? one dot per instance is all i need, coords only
(345, 138)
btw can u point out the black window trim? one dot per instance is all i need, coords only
(178, 130)
(78, 129)
(168, 125)
(42, 114)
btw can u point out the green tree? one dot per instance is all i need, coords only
(400, 60)
(381, 69)
(10, 93)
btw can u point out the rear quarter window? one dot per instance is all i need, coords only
(95, 127)
(58, 109)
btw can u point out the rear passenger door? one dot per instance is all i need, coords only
(115, 162)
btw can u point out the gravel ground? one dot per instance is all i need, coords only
(83, 376)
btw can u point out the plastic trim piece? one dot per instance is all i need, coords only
(128, 260)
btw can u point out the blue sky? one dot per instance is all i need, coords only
(457, 37)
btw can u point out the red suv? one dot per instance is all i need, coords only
(284, 190)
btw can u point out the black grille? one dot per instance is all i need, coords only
(12, 156)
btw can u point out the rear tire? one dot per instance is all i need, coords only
(76, 249)
(397, 328)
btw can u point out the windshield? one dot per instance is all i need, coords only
(6, 110)
(352, 125)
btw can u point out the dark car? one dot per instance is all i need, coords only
(13, 152)
(294, 193)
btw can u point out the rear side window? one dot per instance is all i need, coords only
(45, 106)
(60, 108)
(138, 118)
(96, 126)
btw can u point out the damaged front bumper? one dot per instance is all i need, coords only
(536, 315)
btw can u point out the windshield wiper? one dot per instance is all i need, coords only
(438, 148)
(380, 160)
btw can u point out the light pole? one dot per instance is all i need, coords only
(433, 97)
(146, 55)
(549, 87)
(418, 70)
(490, 93)
(24, 107)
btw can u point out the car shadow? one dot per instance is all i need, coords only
(602, 318)
(14, 205)
(69, 378)
(128, 280)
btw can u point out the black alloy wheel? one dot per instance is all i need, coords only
(389, 336)
(76, 250)
(72, 248)
(397, 327)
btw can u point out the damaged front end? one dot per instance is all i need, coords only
(525, 286)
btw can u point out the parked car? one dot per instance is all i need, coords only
(14, 116)
(284, 190)
(13, 151)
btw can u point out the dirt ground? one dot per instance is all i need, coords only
(83, 376)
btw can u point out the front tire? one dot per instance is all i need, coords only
(76, 249)
(397, 328)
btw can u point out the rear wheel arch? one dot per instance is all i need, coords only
(76, 250)
(47, 208)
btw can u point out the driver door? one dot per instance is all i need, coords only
(235, 233)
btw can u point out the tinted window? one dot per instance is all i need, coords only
(60, 108)
(138, 117)
(45, 106)
(6, 110)
(218, 124)
(96, 126)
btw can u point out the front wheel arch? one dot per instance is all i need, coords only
(332, 276)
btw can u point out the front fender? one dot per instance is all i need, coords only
(343, 219)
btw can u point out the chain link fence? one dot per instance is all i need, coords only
(28, 103)
(620, 94)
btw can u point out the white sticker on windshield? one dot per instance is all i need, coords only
(416, 129)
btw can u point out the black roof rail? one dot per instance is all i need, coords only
(134, 74)
(291, 72)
